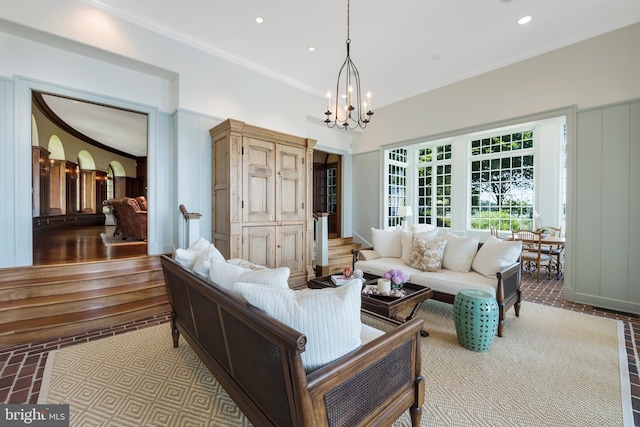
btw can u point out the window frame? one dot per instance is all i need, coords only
(549, 169)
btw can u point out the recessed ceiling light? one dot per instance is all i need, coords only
(524, 20)
(259, 20)
(312, 48)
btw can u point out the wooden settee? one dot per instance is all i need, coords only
(257, 360)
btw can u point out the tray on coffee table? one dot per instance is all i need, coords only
(386, 308)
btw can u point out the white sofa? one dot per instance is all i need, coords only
(492, 267)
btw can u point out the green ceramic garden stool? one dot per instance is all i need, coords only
(476, 317)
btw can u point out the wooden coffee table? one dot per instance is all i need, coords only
(383, 307)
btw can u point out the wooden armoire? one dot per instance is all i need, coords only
(262, 206)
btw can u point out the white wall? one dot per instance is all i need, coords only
(185, 91)
(595, 72)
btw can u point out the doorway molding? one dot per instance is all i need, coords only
(160, 129)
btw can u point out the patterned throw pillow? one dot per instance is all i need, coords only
(426, 255)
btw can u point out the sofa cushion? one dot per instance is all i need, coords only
(246, 264)
(203, 262)
(387, 242)
(225, 275)
(406, 240)
(369, 333)
(459, 252)
(452, 282)
(445, 281)
(329, 318)
(495, 254)
(381, 265)
(187, 257)
(426, 255)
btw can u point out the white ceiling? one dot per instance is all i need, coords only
(122, 130)
(401, 48)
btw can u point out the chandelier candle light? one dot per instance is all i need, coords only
(354, 112)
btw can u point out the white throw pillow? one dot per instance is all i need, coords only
(225, 275)
(329, 317)
(406, 238)
(187, 257)
(203, 262)
(496, 254)
(387, 242)
(459, 252)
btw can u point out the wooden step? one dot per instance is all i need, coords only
(340, 262)
(47, 302)
(45, 274)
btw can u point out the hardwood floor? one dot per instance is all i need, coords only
(79, 244)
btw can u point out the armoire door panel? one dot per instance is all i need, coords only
(259, 245)
(259, 182)
(290, 183)
(290, 248)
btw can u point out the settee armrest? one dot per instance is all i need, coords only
(508, 292)
(374, 384)
(355, 253)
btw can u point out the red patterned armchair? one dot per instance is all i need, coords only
(130, 218)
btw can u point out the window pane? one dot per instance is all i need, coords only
(502, 194)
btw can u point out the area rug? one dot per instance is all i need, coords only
(552, 367)
(118, 240)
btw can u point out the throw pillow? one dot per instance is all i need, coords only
(387, 243)
(459, 252)
(203, 262)
(329, 318)
(225, 275)
(187, 257)
(407, 243)
(426, 255)
(496, 254)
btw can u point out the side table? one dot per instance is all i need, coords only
(476, 317)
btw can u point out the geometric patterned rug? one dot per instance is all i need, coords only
(552, 367)
(137, 379)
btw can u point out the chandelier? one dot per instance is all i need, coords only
(349, 109)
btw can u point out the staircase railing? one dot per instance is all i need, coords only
(192, 226)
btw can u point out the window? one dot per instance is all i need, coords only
(470, 181)
(397, 186)
(434, 186)
(332, 189)
(502, 181)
